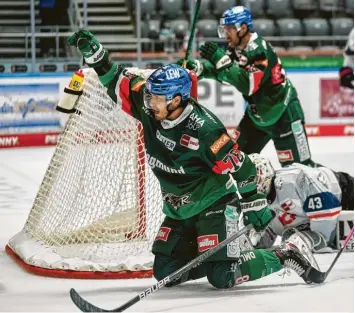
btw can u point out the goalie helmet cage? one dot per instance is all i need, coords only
(99, 205)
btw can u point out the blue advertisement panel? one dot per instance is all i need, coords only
(32, 105)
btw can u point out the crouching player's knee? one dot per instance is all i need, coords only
(164, 266)
(222, 274)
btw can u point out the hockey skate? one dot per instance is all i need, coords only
(294, 254)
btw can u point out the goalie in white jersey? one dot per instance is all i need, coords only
(305, 198)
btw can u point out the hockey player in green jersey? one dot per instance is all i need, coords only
(195, 161)
(251, 65)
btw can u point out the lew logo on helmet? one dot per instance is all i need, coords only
(172, 74)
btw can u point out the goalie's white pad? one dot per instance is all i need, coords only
(295, 237)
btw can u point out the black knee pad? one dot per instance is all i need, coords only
(166, 265)
(222, 274)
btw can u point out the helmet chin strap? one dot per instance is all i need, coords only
(173, 110)
(240, 37)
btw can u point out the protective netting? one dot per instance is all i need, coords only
(99, 205)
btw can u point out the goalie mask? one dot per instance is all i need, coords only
(265, 172)
(170, 80)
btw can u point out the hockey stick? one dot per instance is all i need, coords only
(86, 306)
(320, 277)
(192, 31)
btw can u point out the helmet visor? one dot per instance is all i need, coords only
(221, 32)
(147, 98)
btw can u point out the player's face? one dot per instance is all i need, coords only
(158, 105)
(231, 34)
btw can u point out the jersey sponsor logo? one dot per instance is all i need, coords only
(248, 181)
(163, 233)
(254, 205)
(287, 218)
(219, 143)
(214, 212)
(231, 215)
(170, 144)
(245, 257)
(301, 141)
(195, 122)
(207, 242)
(297, 127)
(176, 201)
(189, 142)
(154, 162)
(285, 155)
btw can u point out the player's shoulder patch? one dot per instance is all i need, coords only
(195, 121)
(137, 84)
(251, 46)
(219, 143)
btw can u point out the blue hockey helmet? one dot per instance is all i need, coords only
(235, 16)
(170, 80)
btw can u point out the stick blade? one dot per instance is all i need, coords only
(316, 276)
(82, 304)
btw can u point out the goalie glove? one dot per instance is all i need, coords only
(93, 52)
(216, 55)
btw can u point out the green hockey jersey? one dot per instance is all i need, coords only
(191, 156)
(258, 74)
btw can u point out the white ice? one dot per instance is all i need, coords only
(21, 171)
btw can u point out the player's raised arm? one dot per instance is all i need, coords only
(120, 82)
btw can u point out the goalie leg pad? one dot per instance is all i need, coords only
(314, 240)
(302, 242)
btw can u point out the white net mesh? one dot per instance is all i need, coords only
(99, 205)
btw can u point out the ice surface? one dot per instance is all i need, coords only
(21, 171)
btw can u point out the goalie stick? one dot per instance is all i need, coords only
(86, 306)
(320, 277)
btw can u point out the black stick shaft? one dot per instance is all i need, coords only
(85, 306)
(192, 31)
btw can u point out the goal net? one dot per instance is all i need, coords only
(99, 205)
